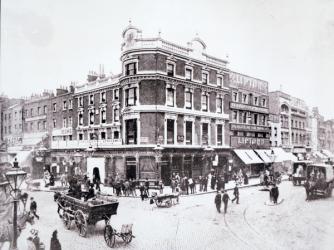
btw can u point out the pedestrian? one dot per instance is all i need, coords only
(275, 193)
(147, 187)
(236, 194)
(34, 239)
(205, 184)
(161, 187)
(55, 244)
(307, 189)
(225, 200)
(186, 184)
(191, 185)
(213, 182)
(33, 207)
(96, 181)
(142, 191)
(126, 188)
(173, 185)
(200, 181)
(245, 179)
(63, 180)
(218, 201)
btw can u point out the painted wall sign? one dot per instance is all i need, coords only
(238, 141)
(248, 83)
(247, 127)
(241, 106)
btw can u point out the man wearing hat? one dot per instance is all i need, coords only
(225, 200)
(33, 207)
(236, 194)
(218, 201)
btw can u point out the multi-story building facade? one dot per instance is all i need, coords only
(249, 120)
(276, 132)
(166, 112)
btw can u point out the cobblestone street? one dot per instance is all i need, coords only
(195, 224)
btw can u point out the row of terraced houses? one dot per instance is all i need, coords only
(172, 109)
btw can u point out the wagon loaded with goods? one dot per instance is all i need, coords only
(84, 213)
(165, 200)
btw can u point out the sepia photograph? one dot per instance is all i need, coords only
(166, 125)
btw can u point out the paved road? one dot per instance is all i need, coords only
(194, 223)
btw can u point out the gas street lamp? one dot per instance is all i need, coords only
(15, 178)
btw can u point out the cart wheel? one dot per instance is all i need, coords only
(66, 220)
(158, 203)
(109, 236)
(81, 223)
(127, 237)
(169, 203)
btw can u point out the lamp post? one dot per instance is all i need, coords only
(158, 153)
(272, 159)
(15, 178)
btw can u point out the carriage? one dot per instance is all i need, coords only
(85, 213)
(165, 200)
(298, 176)
(321, 177)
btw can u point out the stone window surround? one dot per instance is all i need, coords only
(189, 90)
(207, 94)
(128, 61)
(171, 86)
(170, 117)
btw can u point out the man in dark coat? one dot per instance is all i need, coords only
(33, 207)
(213, 182)
(236, 194)
(55, 244)
(218, 201)
(147, 187)
(275, 193)
(225, 200)
(205, 184)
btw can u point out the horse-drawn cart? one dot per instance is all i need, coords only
(85, 213)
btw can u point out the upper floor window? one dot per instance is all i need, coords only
(189, 74)
(219, 81)
(70, 121)
(219, 135)
(264, 102)
(103, 97)
(116, 94)
(244, 98)
(44, 125)
(80, 118)
(116, 115)
(130, 97)
(38, 111)
(54, 123)
(64, 122)
(219, 105)
(189, 99)
(45, 109)
(103, 116)
(64, 105)
(170, 69)
(170, 97)
(91, 99)
(91, 117)
(235, 96)
(204, 103)
(235, 116)
(205, 133)
(256, 101)
(130, 69)
(205, 78)
(80, 102)
(32, 111)
(54, 107)
(70, 104)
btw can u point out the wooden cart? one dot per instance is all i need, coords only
(165, 200)
(85, 213)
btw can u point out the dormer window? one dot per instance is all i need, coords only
(189, 74)
(170, 69)
(130, 69)
(205, 78)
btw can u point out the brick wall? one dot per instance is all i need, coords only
(197, 98)
(197, 72)
(152, 92)
(85, 112)
(180, 124)
(180, 96)
(197, 137)
(109, 98)
(213, 76)
(212, 102)
(149, 62)
(180, 68)
(151, 126)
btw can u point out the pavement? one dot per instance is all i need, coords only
(40, 186)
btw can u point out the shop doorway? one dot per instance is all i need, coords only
(130, 172)
(96, 174)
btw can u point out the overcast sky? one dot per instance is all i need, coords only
(47, 43)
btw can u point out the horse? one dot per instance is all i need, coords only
(7, 228)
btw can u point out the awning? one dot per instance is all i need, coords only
(319, 155)
(281, 155)
(327, 153)
(265, 155)
(248, 156)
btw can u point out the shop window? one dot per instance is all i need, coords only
(189, 132)
(205, 133)
(170, 69)
(170, 131)
(130, 97)
(130, 69)
(170, 97)
(131, 131)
